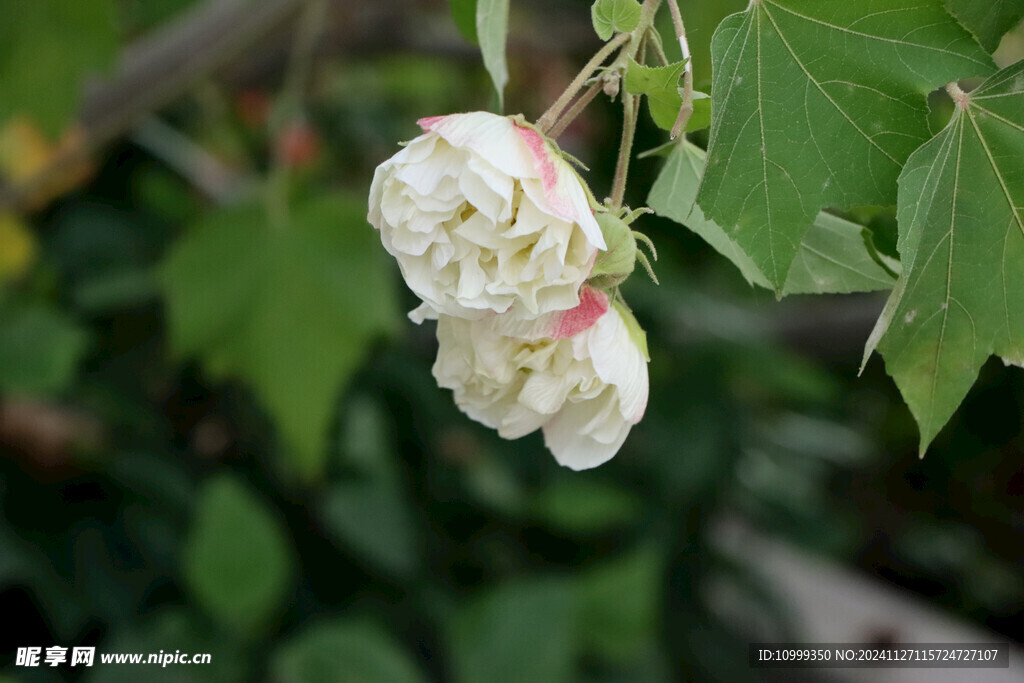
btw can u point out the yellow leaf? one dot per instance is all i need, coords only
(47, 170)
(17, 247)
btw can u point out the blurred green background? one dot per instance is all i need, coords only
(218, 433)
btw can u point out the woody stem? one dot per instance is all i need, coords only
(577, 107)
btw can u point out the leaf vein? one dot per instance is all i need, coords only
(835, 104)
(999, 176)
(868, 36)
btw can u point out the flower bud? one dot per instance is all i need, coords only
(611, 85)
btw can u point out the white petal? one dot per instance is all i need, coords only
(441, 255)
(481, 196)
(545, 392)
(561, 187)
(421, 313)
(410, 242)
(471, 281)
(480, 231)
(501, 183)
(569, 193)
(618, 361)
(380, 174)
(425, 175)
(491, 136)
(520, 421)
(418, 149)
(576, 450)
(434, 202)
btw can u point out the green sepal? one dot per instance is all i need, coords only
(616, 263)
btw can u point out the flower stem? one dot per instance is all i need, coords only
(630, 106)
(577, 107)
(548, 118)
(630, 110)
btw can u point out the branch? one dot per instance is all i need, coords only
(156, 71)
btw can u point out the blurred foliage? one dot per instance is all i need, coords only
(215, 436)
(289, 307)
(236, 560)
(39, 349)
(46, 47)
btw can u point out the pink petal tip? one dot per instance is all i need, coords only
(593, 304)
(427, 124)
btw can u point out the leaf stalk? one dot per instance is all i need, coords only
(686, 111)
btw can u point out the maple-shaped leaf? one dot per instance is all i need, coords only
(818, 103)
(611, 16)
(835, 256)
(661, 85)
(960, 298)
(989, 20)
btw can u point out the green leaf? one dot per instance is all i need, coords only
(818, 104)
(237, 560)
(291, 309)
(618, 605)
(661, 85)
(119, 288)
(374, 519)
(464, 14)
(519, 631)
(701, 116)
(47, 47)
(371, 515)
(365, 440)
(961, 296)
(838, 257)
(39, 349)
(347, 651)
(492, 31)
(585, 506)
(988, 20)
(833, 256)
(614, 16)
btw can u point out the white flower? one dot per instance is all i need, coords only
(584, 384)
(485, 216)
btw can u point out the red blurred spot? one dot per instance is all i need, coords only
(298, 144)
